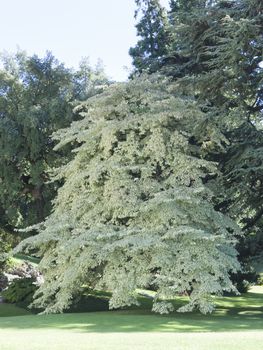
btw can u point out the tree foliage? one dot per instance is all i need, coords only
(166, 170)
(36, 96)
(135, 210)
(222, 46)
(34, 99)
(152, 28)
(89, 81)
(7, 242)
(214, 52)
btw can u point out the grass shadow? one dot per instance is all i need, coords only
(242, 313)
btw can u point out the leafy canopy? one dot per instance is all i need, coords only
(36, 97)
(134, 210)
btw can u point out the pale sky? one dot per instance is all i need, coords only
(72, 29)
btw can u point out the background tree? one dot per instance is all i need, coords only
(134, 210)
(223, 41)
(152, 28)
(89, 81)
(36, 97)
(214, 54)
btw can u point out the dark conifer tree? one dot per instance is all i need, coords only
(214, 52)
(152, 28)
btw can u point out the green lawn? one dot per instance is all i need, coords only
(7, 310)
(236, 324)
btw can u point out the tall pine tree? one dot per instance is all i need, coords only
(152, 28)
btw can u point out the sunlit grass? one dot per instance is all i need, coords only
(236, 323)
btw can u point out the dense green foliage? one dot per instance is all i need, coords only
(223, 43)
(5, 246)
(153, 32)
(214, 51)
(35, 100)
(7, 241)
(36, 97)
(134, 210)
(20, 291)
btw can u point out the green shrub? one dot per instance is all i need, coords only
(243, 286)
(7, 241)
(245, 279)
(3, 281)
(20, 291)
(260, 280)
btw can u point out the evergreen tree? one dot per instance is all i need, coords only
(152, 28)
(222, 43)
(214, 51)
(134, 210)
(89, 81)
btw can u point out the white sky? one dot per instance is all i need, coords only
(72, 29)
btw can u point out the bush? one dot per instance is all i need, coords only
(260, 280)
(245, 279)
(20, 291)
(3, 282)
(243, 286)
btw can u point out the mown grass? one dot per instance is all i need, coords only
(9, 310)
(236, 323)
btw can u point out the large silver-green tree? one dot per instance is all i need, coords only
(135, 210)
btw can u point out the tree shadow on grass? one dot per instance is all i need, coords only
(232, 317)
(242, 313)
